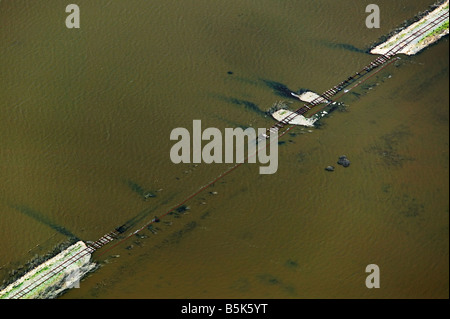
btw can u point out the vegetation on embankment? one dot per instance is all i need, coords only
(413, 44)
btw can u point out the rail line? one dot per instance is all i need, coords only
(88, 250)
(381, 60)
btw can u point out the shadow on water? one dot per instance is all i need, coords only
(43, 251)
(344, 46)
(282, 90)
(141, 191)
(248, 105)
(136, 187)
(38, 216)
(244, 103)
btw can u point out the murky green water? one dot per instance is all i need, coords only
(85, 122)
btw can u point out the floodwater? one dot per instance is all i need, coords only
(86, 116)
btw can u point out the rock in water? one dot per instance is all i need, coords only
(343, 160)
(329, 168)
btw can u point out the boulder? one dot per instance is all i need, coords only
(343, 160)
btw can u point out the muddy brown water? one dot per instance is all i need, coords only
(85, 122)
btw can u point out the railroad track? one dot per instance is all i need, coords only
(105, 239)
(379, 61)
(274, 129)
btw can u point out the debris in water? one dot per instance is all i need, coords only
(343, 160)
